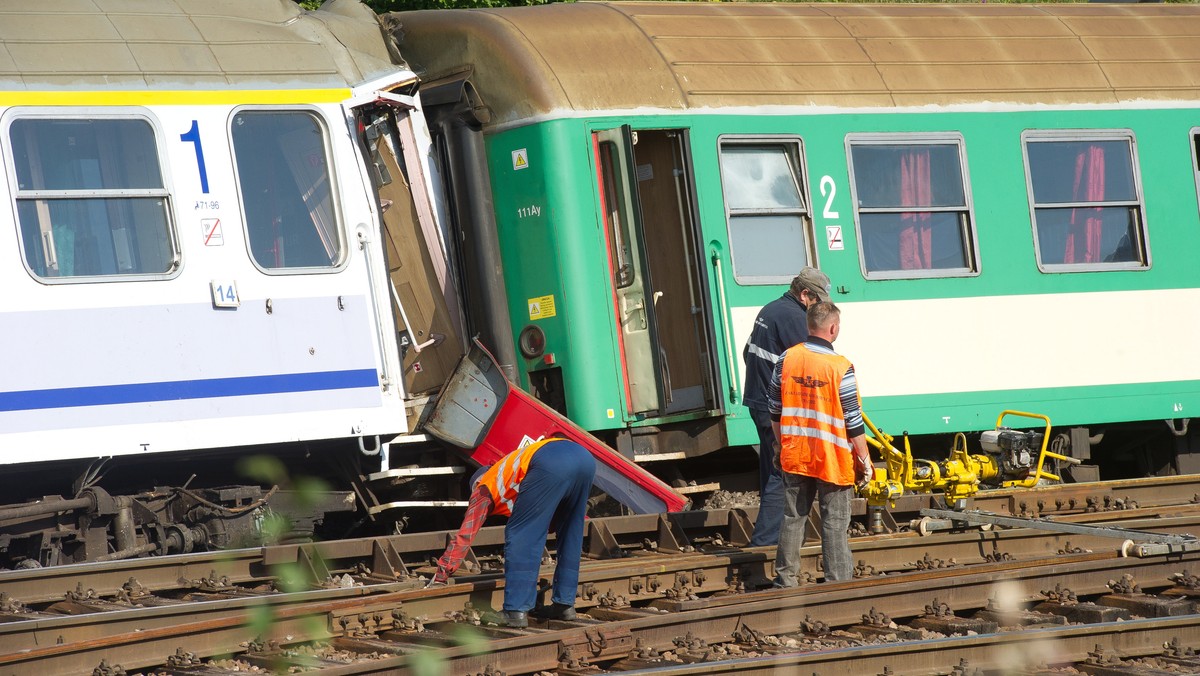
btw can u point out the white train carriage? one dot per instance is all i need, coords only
(192, 243)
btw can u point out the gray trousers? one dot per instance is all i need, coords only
(834, 502)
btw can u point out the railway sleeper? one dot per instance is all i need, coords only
(680, 572)
(1145, 605)
(302, 658)
(1174, 659)
(1101, 662)
(598, 643)
(814, 635)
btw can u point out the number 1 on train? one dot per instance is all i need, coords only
(193, 136)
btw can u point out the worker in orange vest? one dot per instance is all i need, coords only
(817, 420)
(541, 487)
(779, 325)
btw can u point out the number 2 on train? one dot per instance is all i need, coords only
(827, 184)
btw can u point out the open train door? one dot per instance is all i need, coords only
(630, 272)
(647, 205)
(423, 295)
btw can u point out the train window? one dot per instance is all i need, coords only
(1087, 209)
(286, 188)
(90, 198)
(619, 251)
(769, 228)
(912, 206)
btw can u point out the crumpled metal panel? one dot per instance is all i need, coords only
(581, 57)
(188, 44)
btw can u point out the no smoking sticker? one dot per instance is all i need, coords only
(833, 237)
(212, 232)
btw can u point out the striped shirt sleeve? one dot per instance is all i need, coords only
(775, 389)
(851, 410)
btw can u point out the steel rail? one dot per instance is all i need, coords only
(782, 611)
(156, 573)
(143, 637)
(21, 641)
(259, 565)
(1059, 498)
(974, 517)
(882, 554)
(46, 585)
(1010, 652)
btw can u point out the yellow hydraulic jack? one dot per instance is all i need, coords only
(1011, 458)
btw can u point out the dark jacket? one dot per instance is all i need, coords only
(781, 324)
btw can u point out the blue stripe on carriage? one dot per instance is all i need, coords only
(178, 390)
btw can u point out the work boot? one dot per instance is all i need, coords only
(507, 618)
(557, 611)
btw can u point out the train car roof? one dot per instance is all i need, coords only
(189, 44)
(562, 58)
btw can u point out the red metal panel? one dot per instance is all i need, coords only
(478, 404)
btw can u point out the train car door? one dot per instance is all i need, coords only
(423, 298)
(648, 214)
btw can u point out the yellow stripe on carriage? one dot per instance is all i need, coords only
(154, 97)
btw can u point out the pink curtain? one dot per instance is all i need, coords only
(1083, 236)
(916, 237)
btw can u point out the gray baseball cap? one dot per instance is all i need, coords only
(815, 281)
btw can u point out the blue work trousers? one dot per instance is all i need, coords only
(554, 493)
(770, 484)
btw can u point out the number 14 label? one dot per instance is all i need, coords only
(224, 293)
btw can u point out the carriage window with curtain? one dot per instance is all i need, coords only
(1087, 210)
(286, 188)
(90, 198)
(770, 236)
(911, 206)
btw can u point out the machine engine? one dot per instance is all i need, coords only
(1016, 452)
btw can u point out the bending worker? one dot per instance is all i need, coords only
(817, 419)
(540, 487)
(779, 325)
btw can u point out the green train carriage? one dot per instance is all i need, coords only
(1005, 198)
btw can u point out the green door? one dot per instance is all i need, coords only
(630, 271)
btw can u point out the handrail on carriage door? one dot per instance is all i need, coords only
(734, 376)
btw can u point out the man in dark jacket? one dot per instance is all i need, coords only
(779, 325)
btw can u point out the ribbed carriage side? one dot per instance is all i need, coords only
(1037, 119)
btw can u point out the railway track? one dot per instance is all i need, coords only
(366, 597)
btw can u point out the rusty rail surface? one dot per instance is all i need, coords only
(700, 621)
(395, 554)
(1009, 653)
(138, 637)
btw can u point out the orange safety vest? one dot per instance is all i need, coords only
(503, 479)
(813, 424)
